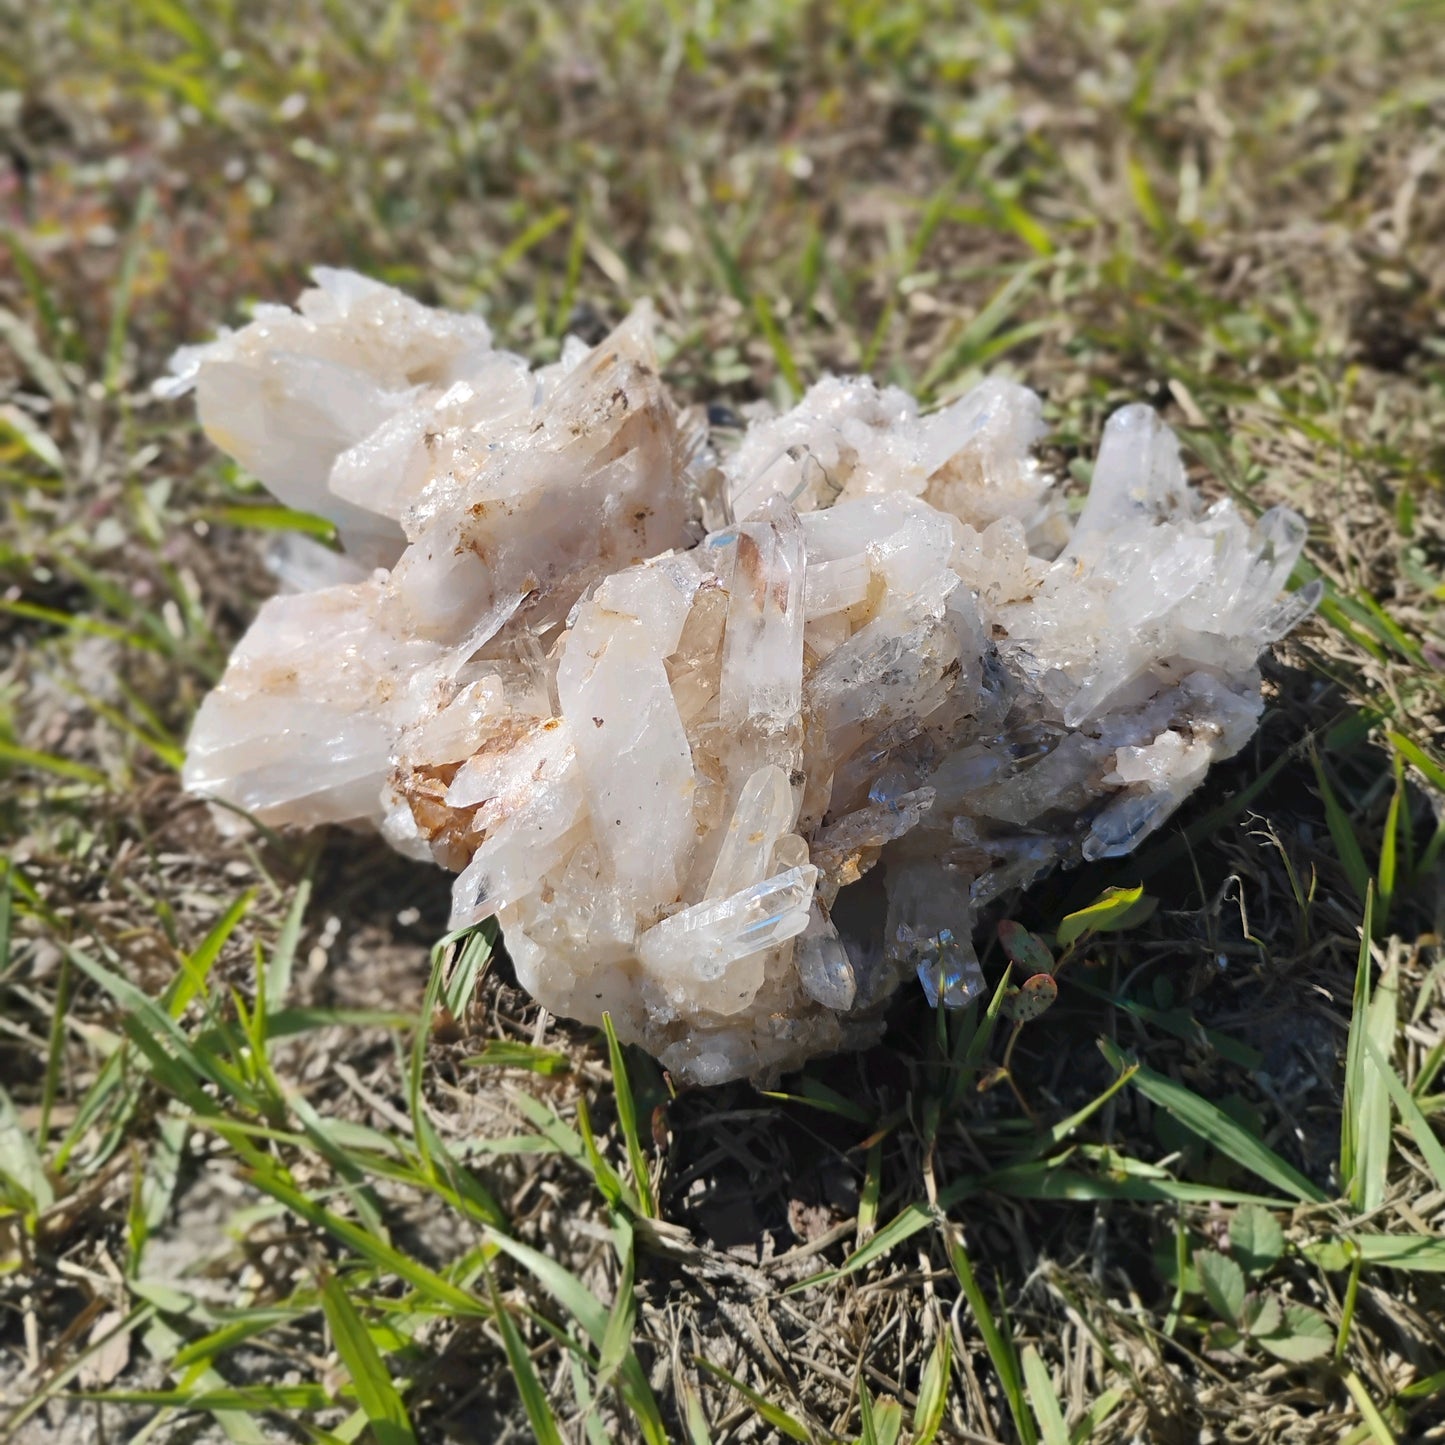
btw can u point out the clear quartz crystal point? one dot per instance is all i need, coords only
(765, 811)
(702, 941)
(924, 899)
(948, 970)
(762, 668)
(824, 969)
(664, 759)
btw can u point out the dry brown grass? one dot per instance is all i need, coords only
(1237, 213)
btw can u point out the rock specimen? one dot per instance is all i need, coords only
(657, 752)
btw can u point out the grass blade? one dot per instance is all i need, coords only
(513, 1054)
(529, 1387)
(617, 1339)
(1380, 1432)
(989, 318)
(283, 956)
(933, 1392)
(998, 1343)
(627, 1122)
(1365, 1116)
(1046, 1180)
(1423, 1253)
(777, 343)
(1342, 832)
(1059, 1133)
(461, 981)
(18, 757)
(903, 1226)
(163, 1342)
(818, 1095)
(440, 1291)
(177, 1064)
(375, 1392)
(773, 1414)
(1411, 1115)
(583, 1306)
(1216, 1127)
(693, 1413)
(1045, 1402)
(1390, 844)
(35, 1402)
(124, 287)
(1096, 1414)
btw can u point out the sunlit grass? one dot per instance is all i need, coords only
(434, 1206)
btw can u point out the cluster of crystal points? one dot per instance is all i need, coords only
(657, 707)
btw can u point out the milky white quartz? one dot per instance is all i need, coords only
(657, 708)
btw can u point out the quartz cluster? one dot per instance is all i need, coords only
(658, 705)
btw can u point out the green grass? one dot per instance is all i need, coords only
(273, 1156)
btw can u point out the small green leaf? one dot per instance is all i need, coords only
(1256, 1239)
(1223, 1339)
(1113, 909)
(1034, 997)
(1263, 1314)
(1304, 1335)
(1026, 949)
(1329, 1254)
(1224, 1284)
(20, 1164)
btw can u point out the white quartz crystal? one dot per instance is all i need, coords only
(656, 755)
